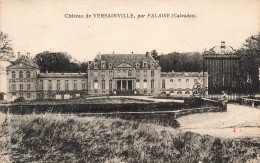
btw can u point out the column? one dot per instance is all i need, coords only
(132, 84)
(121, 85)
(127, 85)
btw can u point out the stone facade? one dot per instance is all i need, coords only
(108, 74)
(124, 74)
(182, 83)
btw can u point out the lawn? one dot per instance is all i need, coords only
(69, 138)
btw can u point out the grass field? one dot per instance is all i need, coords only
(59, 138)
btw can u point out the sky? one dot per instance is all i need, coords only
(37, 26)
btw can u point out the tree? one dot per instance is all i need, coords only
(250, 53)
(6, 50)
(54, 61)
(155, 55)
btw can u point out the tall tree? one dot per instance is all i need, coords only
(6, 50)
(54, 61)
(250, 53)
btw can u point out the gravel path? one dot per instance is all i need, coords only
(238, 122)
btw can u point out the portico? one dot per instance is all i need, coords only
(124, 85)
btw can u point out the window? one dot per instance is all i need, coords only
(137, 84)
(20, 94)
(152, 73)
(75, 85)
(129, 73)
(163, 83)
(145, 73)
(28, 95)
(187, 80)
(28, 74)
(21, 86)
(103, 65)
(20, 74)
(145, 84)
(110, 73)
(13, 74)
(179, 92)
(152, 84)
(96, 84)
(103, 74)
(41, 85)
(137, 73)
(179, 80)
(66, 84)
(124, 71)
(110, 65)
(28, 86)
(110, 84)
(83, 84)
(49, 85)
(103, 84)
(137, 65)
(171, 80)
(187, 92)
(145, 64)
(58, 84)
(14, 86)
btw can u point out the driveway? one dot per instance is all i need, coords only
(238, 122)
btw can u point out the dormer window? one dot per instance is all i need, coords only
(103, 65)
(110, 65)
(28, 74)
(13, 74)
(152, 65)
(96, 65)
(20, 74)
(137, 65)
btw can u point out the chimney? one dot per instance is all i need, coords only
(147, 54)
(19, 53)
(222, 45)
(113, 52)
(132, 52)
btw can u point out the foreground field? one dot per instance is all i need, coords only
(57, 138)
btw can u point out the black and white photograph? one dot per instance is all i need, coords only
(128, 81)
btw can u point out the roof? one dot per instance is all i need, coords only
(62, 75)
(131, 59)
(183, 74)
(25, 60)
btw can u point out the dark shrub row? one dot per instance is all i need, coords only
(91, 108)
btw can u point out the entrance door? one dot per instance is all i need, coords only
(118, 85)
(130, 85)
(124, 85)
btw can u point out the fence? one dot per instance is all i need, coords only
(231, 97)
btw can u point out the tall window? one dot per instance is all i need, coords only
(137, 83)
(66, 84)
(49, 85)
(20, 94)
(28, 86)
(96, 84)
(145, 73)
(110, 73)
(14, 86)
(103, 65)
(152, 73)
(28, 74)
(163, 83)
(129, 73)
(13, 74)
(21, 86)
(152, 84)
(145, 84)
(28, 95)
(103, 73)
(58, 84)
(41, 85)
(83, 84)
(110, 84)
(75, 85)
(103, 84)
(20, 74)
